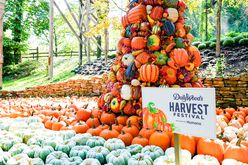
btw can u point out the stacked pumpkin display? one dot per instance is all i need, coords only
(155, 50)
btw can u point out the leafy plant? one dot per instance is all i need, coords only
(202, 46)
(228, 42)
(243, 41)
(220, 66)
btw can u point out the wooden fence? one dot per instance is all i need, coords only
(36, 54)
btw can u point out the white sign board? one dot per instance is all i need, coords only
(190, 110)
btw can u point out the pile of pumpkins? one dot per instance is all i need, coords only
(25, 141)
(154, 50)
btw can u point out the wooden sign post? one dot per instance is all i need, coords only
(177, 149)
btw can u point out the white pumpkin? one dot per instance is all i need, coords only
(20, 159)
(127, 59)
(232, 162)
(164, 160)
(204, 160)
(218, 129)
(126, 92)
(135, 82)
(221, 121)
(172, 14)
(230, 133)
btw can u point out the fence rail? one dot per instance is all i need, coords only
(35, 54)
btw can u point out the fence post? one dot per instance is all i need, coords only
(37, 53)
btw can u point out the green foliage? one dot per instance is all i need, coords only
(207, 43)
(20, 70)
(21, 18)
(228, 42)
(220, 66)
(213, 40)
(202, 46)
(232, 34)
(237, 39)
(244, 41)
(196, 43)
(212, 45)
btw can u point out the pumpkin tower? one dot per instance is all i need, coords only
(154, 50)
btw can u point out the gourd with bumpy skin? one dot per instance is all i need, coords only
(140, 159)
(153, 42)
(81, 139)
(153, 151)
(119, 156)
(90, 161)
(134, 149)
(99, 153)
(57, 157)
(114, 144)
(80, 151)
(43, 152)
(95, 141)
(66, 146)
(76, 160)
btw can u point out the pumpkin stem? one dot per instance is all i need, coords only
(123, 132)
(93, 125)
(129, 123)
(239, 142)
(116, 121)
(91, 116)
(151, 108)
(110, 127)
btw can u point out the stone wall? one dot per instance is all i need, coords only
(229, 91)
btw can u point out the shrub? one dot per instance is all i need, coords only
(212, 45)
(207, 43)
(228, 42)
(232, 34)
(196, 43)
(243, 41)
(202, 46)
(213, 40)
(20, 70)
(237, 39)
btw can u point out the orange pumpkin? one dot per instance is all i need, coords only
(137, 13)
(58, 125)
(83, 114)
(124, 21)
(194, 56)
(132, 129)
(94, 131)
(237, 151)
(149, 73)
(138, 43)
(213, 148)
(108, 118)
(118, 127)
(109, 133)
(92, 121)
(157, 13)
(180, 58)
(163, 142)
(143, 58)
(187, 142)
(80, 127)
(146, 132)
(125, 137)
(134, 120)
(140, 140)
(122, 119)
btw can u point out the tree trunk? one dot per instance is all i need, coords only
(99, 51)
(51, 28)
(80, 35)
(106, 45)
(218, 27)
(17, 31)
(55, 42)
(1, 41)
(202, 23)
(206, 20)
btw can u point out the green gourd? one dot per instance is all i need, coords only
(57, 158)
(114, 144)
(140, 159)
(135, 149)
(99, 153)
(95, 141)
(80, 151)
(119, 157)
(153, 151)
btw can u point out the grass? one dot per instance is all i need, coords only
(62, 72)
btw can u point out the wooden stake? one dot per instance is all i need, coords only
(87, 29)
(50, 58)
(2, 2)
(177, 148)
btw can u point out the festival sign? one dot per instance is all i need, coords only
(189, 111)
